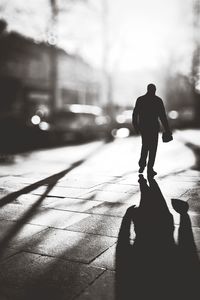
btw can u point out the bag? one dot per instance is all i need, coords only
(167, 137)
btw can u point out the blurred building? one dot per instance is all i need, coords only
(25, 77)
(180, 103)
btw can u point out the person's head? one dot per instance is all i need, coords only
(151, 89)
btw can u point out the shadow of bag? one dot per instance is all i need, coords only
(166, 137)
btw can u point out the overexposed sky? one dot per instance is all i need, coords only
(140, 33)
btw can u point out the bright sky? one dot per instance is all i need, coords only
(154, 32)
(146, 39)
(141, 33)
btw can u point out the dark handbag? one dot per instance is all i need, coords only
(167, 137)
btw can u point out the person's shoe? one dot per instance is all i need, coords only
(141, 169)
(151, 172)
(141, 179)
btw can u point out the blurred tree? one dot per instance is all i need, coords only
(102, 12)
(53, 37)
(3, 25)
(196, 60)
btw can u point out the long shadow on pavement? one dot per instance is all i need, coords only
(55, 278)
(50, 182)
(154, 266)
(48, 279)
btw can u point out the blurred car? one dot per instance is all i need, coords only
(122, 125)
(78, 122)
(181, 118)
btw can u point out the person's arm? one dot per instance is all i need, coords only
(135, 117)
(163, 118)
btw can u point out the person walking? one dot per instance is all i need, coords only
(149, 109)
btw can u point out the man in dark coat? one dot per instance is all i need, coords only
(148, 110)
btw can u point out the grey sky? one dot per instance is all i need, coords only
(141, 33)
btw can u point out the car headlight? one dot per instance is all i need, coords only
(35, 120)
(44, 126)
(120, 119)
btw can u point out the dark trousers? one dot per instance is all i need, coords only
(149, 148)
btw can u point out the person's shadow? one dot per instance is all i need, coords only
(153, 266)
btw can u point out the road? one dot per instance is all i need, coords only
(61, 210)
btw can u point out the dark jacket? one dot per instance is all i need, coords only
(149, 109)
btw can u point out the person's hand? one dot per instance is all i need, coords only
(167, 136)
(169, 133)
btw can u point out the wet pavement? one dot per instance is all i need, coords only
(62, 212)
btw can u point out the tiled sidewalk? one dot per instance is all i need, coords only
(58, 241)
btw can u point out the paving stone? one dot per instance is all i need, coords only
(131, 189)
(7, 253)
(90, 175)
(70, 245)
(26, 180)
(184, 178)
(14, 234)
(95, 224)
(72, 204)
(56, 218)
(106, 259)
(61, 192)
(102, 289)
(76, 182)
(24, 199)
(110, 172)
(30, 199)
(31, 276)
(3, 180)
(174, 189)
(192, 173)
(10, 188)
(131, 179)
(36, 214)
(11, 184)
(6, 191)
(35, 175)
(13, 211)
(14, 183)
(107, 196)
(110, 209)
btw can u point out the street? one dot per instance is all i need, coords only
(61, 210)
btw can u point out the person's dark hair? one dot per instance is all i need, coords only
(151, 88)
